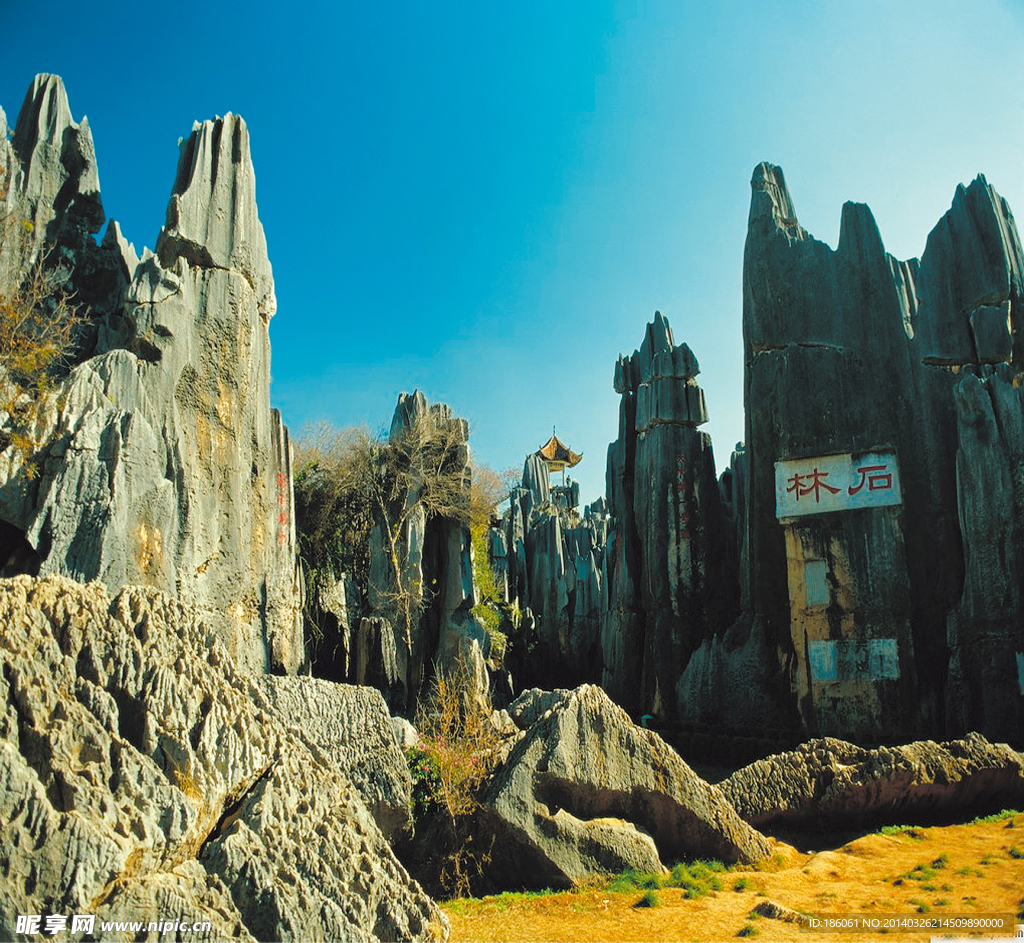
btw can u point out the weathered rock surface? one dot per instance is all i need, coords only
(351, 725)
(672, 571)
(161, 461)
(852, 352)
(143, 776)
(419, 591)
(985, 684)
(832, 783)
(773, 911)
(586, 792)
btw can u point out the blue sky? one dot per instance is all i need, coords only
(488, 202)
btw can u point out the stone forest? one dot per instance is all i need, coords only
(224, 668)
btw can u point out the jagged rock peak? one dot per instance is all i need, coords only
(193, 474)
(412, 406)
(771, 203)
(212, 220)
(57, 158)
(657, 357)
(970, 278)
(44, 116)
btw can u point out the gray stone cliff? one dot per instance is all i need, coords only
(161, 462)
(849, 351)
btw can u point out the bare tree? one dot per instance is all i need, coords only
(351, 485)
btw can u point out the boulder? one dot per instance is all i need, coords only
(350, 724)
(586, 792)
(835, 784)
(144, 776)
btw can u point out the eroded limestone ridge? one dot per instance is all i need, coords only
(160, 461)
(144, 778)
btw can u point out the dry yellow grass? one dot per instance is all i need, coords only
(870, 876)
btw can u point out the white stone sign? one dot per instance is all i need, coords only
(835, 483)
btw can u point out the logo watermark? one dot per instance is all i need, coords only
(53, 924)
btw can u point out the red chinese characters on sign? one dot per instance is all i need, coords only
(877, 477)
(835, 483)
(817, 483)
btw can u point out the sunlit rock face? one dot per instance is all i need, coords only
(584, 791)
(146, 778)
(162, 462)
(883, 396)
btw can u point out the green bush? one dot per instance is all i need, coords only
(426, 782)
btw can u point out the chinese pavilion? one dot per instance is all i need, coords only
(557, 455)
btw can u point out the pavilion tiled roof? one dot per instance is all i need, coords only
(557, 454)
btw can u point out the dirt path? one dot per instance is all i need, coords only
(960, 869)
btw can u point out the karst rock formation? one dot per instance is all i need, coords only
(160, 461)
(856, 572)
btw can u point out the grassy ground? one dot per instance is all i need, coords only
(971, 869)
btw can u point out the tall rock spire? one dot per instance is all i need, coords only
(162, 461)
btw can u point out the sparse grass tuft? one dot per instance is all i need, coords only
(747, 929)
(913, 832)
(649, 899)
(697, 879)
(627, 882)
(995, 817)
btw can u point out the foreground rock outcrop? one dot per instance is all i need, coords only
(834, 784)
(143, 776)
(586, 792)
(351, 724)
(159, 460)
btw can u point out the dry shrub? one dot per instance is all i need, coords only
(457, 734)
(38, 327)
(459, 745)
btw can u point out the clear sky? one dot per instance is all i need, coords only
(489, 201)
